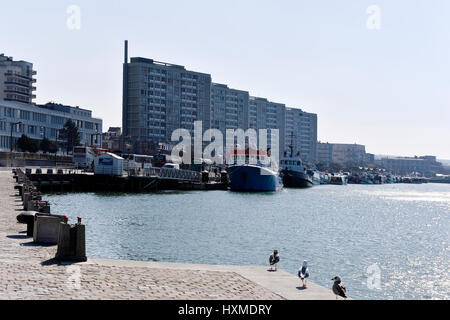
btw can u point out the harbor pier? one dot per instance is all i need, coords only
(29, 271)
(77, 181)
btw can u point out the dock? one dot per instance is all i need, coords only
(28, 271)
(78, 181)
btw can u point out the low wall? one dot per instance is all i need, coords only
(23, 159)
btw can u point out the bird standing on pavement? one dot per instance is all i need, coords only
(338, 288)
(303, 273)
(274, 259)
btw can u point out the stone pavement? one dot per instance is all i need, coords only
(27, 271)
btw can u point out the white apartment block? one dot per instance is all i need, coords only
(16, 80)
(39, 122)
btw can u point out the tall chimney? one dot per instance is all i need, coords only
(126, 51)
(125, 93)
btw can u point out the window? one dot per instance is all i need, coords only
(32, 130)
(9, 112)
(25, 115)
(39, 117)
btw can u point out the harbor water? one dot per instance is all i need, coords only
(384, 241)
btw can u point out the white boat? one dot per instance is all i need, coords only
(338, 179)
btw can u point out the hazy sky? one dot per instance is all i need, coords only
(388, 89)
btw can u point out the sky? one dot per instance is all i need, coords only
(376, 72)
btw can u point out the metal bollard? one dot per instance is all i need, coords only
(30, 221)
(71, 242)
(43, 207)
(46, 228)
(205, 176)
(224, 176)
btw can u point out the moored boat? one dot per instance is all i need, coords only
(338, 180)
(255, 176)
(293, 172)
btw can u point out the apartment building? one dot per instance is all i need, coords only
(16, 80)
(44, 121)
(301, 132)
(160, 97)
(228, 108)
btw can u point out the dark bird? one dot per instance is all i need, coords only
(338, 288)
(274, 259)
(303, 273)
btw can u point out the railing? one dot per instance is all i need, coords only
(168, 173)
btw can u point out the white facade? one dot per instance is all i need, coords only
(16, 80)
(39, 122)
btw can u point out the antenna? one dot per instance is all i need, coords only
(291, 146)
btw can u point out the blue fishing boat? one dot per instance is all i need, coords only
(253, 177)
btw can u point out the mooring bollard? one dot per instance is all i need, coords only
(205, 176)
(44, 207)
(31, 199)
(71, 242)
(28, 218)
(223, 176)
(19, 187)
(46, 228)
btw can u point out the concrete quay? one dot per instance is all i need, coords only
(28, 271)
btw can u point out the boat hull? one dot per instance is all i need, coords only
(292, 179)
(253, 178)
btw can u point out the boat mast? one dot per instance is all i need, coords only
(291, 146)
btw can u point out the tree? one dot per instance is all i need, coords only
(69, 133)
(47, 146)
(27, 144)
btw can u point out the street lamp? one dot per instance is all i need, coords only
(11, 138)
(56, 151)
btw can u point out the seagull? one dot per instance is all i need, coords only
(303, 272)
(338, 288)
(274, 259)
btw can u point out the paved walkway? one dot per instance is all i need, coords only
(28, 272)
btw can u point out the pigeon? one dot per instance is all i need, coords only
(303, 273)
(338, 288)
(274, 259)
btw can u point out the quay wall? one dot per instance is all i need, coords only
(29, 271)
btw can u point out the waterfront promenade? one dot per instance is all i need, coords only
(27, 271)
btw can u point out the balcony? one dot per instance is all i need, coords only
(17, 83)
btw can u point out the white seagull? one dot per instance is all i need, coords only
(303, 273)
